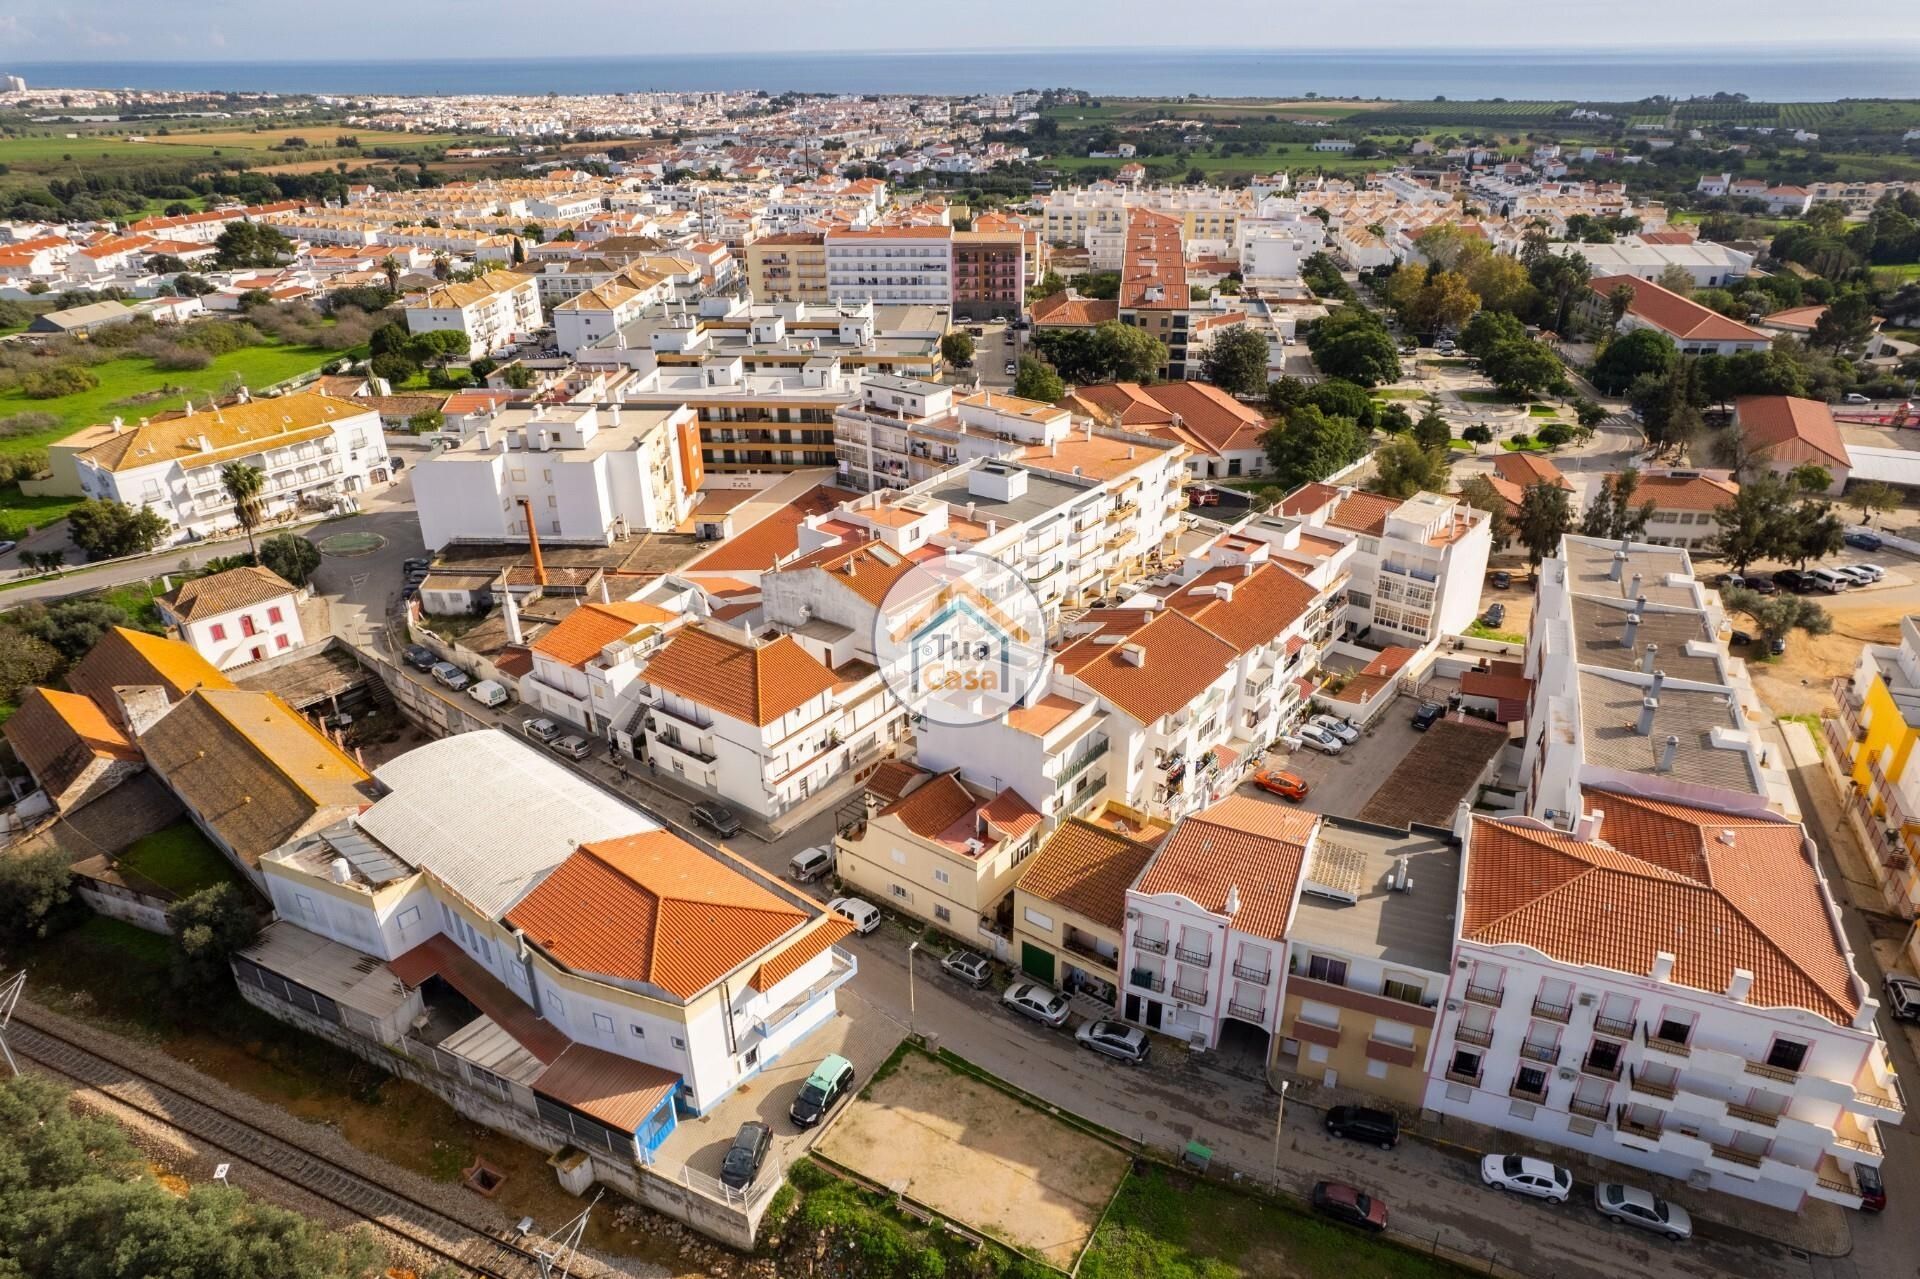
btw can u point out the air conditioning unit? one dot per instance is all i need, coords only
(1453, 1005)
(1586, 1000)
(1567, 1072)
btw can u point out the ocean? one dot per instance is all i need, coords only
(1780, 74)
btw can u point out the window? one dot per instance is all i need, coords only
(603, 1023)
(940, 876)
(1407, 992)
(942, 914)
(1376, 1069)
(639, 1032)
(900, 891)
(679, 1043)
(1043, 922)
(273, 615)
(1787, 1054)
(218, 630)
(282, 641)
(246, 624)
(1331, 971)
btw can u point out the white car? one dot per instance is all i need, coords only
(863, 915)
(1320, 739)
(1527, 1176)
(1042, 1003)
(1333, 724)
(1866, 572)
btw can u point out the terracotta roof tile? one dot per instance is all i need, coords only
(1263, 603)
(124, 658)
(581, 635)
(1181, 659)
(58, 736)
(766, 543)
(1685, 493)
(219, 593)
(869, 569)
(784, 963)
(1790, 429)
(1086, 868)
(1364, 513)
(1525, 469)
(616, 1090)
(757, 685)
(1248, 845)
(1681, 318)
(439, 956)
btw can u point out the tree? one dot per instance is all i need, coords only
(1490, 328)
(1433, 431)
(1756, 523)
(1445, 304)
(1394, 419)
(1479, 493)
(1845, 325)
(72, 626)
(1632, 356)
(1349, 342)
(1810, 477)
(1873, 498)
(207, 929)
(1545, 516)
(251, 244)
(1309, 445)
(24, 662)
(1478, 433)
(956, 348)
(1520, 367)
(1129, 353)
(1814, 532)
(1676, 279)
(105, 529)
(244, 484)
(1670, 407)
(1037, 381)
(1236, 362)
(1500, 280)
(291, 556)
(1337, 397)
(1775, 615)
(390, 267)
(1559, 278)
(36, 896)
(1554, 434)
(1402, 468)
(1612, 513)
(517, 376)
(426, 420)
(1589, 413)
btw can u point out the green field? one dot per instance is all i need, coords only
(20, 514)
(49, 153)
(135, 375)
(178, 858)
(1277, 156)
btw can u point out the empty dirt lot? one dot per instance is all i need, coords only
(976, 1155)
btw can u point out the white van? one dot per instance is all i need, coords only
(811, 863)
(864, 916)
(1825, 579)
(489, 692)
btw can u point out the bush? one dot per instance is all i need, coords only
(179, 359)
(27, 424)
(1555, 434)
(61, 379)
(36, 897)
(1521, 440)
(208, 929)
(290, 555)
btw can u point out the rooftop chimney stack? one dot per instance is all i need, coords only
(1648, 658)
(1617, 567)
(1633, 630)
(1667, 753)
(1659, 682)
(1648, 705)
(1634, 590)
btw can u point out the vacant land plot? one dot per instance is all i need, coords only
(976, 1155)
(178, 858)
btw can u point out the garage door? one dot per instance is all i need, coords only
(1036, 962)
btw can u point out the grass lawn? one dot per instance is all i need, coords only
(135, 375)
(1466, 445)
(20, 514)
(1486, 395)
(1512, 445)
(178, 858)
(1479, 631)
(1167, 1226)
(135, 599)
(1400, 393)
(1898, 274)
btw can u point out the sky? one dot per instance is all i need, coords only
(279, 30)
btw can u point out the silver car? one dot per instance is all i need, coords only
(1115, 1039)
(1632, 1206)
(1337, 727)
(573, 747)
(1042, 1003)
(1321, 740)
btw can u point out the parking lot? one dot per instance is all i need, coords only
(1343, 783)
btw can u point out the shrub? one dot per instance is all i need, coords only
(61, 379)
(179, 359)
(26, 424)
(1555, 433)
(1521, 440)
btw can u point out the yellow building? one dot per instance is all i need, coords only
(791, 267)
(1071, 900)
(1871, 741)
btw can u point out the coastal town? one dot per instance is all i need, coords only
(754, 683)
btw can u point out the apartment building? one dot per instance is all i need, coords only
(444, 930)
(1684, 503)
(897, 264)
(945, 852)
(586, 670)
(1153, 285)
(779, 420)
(1418, 564)
(1070, 902)
(901, 433)
(593, 314)
(1207, 215)
(590, 474)
(788, 267)
(1633, 687)
(1870, 741)
(315, 450)
(1695, 329)
(989, 274)
(1727, 1042)
(495, 311)
(238, 616)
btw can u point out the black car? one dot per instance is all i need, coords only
(1501, 579)
(1739, 638)
(1762, 586)
(1363, 1123)
(1792, 579)
(744, 1157)
(418, 657)
(1428, 714)
(1496, 613)
(717, 818)
(415, 565)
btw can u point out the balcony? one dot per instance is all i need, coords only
(1492, 996)
(1147, 981)
(1651, 1087)
(1890, 1101)
(1472, 1035)
(1851, 1134)
(694, 719)
(1258, 976)
(1765, 1118)
(1601, 1070)
(1613, 1026)
(1196, 958)
(1589, 1109)
(1734, 1155)
(680, 747)
(1462, 1077)
(1550, 1011)
(1087, 950)
(1545, 1053)
(1189, 994)
(1671, 1047)
(1151, 945)
(1779, 1074)
(1078, 764)
(1834, 1183)
(1521, 1092)
(1255, 1013)
(1624, 1121)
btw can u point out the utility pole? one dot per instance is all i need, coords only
(1279, 1122)
(557, 1252)
(912, 1013)
(9, 997)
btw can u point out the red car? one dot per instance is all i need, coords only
(1279, 782)
(1204, 497)
(1346, 1203)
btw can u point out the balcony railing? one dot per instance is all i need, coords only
(1524, 1093)
(1189, 994)
(1651, 1087)
(1197, 958)
(1548, 1053)
(1591, 1109)
(1552, 1011)
(1752, 1116)
(1147, 981)
(1778, 1074)
(1674, 1047)
(1614, 1026)
(1601, 1070)
(1463, 1077)
(691, 752)
(1151, 945)
(1086, 950)
(1254, 1013)
(1258, 976)
(1078, 765)
(1733, 1154)
(1473, 1035)
(1489, 995)
(693, 718)
(1623, 1120)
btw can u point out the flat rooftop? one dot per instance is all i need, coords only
(1412, 928)
(1590, 571)
(1610, 736)
(1044, 494)
(1439, 771)
(1600, 634)
(635, 425)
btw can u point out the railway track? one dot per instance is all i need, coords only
(449, 1240)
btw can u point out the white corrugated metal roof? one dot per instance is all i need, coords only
(489, 814)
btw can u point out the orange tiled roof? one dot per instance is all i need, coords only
(763, 545)
(439, 956)
(581, 635)
(58, 736)
(224, 592)
(1685, 493)
(1086, 868)
(1308, 498)
(125, 657)
(1182, 659)
(1679, 317)
(1526, 469)
(1245, 844)
(1264, 603)
(1364, 513)
(1062, 310)
(1716, 891)
(1790, 428)
(866, 571)
(757, 685)
(933, 808)
(783, 964)
(652, 908)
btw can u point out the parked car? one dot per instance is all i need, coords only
(1739, 638)
(7, 544)
(415, 564)
(1496, 613)
(1042, 1003)
(1347, 1203)
(1872, 572)
(1762, 586)
(541, 730)
(1364, 1123)
(1428, 714)
(418, 656)
(1864, 540)
(1859, 574)
(1854, 397)
(1277, 781)
(1115, 1039)
(863, 915)
(489, 692)
(830, 1081)
(1501, 579)
(1012, 368)
(1828, 580)
(810, 864)
(1204, 496)
(573, 747)
(1791, 579)
(1320, 739)
(970, 966)
(1524, 1175)
(447, 675)
(1873, 1191)
(1340, 728)
(1632, 1206)
(743, 1159)
(717, 818)
(1903, 997)
(1777, 645)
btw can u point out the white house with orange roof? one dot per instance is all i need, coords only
(1223, 437)
(586, 670)
(1695, 329)
(1785, 432)
(1719, 1033)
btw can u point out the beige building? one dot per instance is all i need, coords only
(1070, 903)
(791, 267)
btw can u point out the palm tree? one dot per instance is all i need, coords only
(391, 267)
(442, 266)
(243, 484)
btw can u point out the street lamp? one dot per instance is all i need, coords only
(1279, 1121)
(910, 1005)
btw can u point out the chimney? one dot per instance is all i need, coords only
(141, 707)
(1648, 658)
(1133, 655)
(1633, 630)
(1659, 682)
(1619, 563)
(1233, 900)
(1667, 752)
(512, 611)
(1648, 705)
(533, 543)
(1586, 827)
(606, 596)
(1742, 983)
(1633, 591)
(1663, 966)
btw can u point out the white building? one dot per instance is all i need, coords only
(891, 264)
(1722, 1036)
(903, 432)
(1708, 265)
(239, 616)
(592, 473)
(316, 451)
(586, 670)
(494, 311)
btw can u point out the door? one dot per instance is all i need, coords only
(1036, 962)
(1133, 1008)
(1153, 1014)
